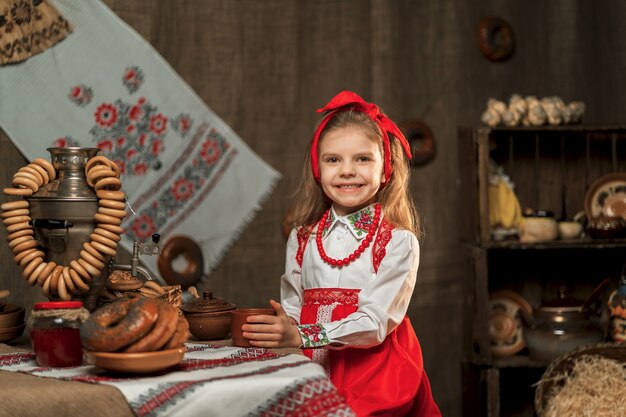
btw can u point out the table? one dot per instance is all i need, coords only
(213, 380)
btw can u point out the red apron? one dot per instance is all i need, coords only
(383, 380)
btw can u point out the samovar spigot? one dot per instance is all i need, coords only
(135, 269)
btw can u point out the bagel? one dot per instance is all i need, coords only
(92, 260)
(191, 252)
(111, 195)
(17, 212)
(107, 250)
(27, 244)
(110, 227)
(30, 268)
(495, 38)
(114, 204)
(42, 178)
(15, 219)
(112, 212)
(19, 256)
(108, 234)
(29, 175)
(18, 240)
(45, 273)
(80, 270)
(71, 288)
(32, 279)
(19, 233)
(41, 171)
(18, 226)
(96, 237)
(106, 219)
(78, 282)
(25, 182)
(97, 160)
(108, 183)
(118, 324)
(161, 332)
(89, 248)
(13, 205)
(18, 191)
(181, 335)
(52, 174)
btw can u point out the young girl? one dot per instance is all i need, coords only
(351, 265)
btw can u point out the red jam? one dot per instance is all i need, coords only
(55, 333)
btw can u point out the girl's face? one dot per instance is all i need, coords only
(351, 168)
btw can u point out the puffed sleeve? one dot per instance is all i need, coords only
(291, 281)
(383, 303)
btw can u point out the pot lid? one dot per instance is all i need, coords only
(207, 304)
(563, 303)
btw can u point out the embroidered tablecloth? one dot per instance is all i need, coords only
(185, 171)
(212, 381)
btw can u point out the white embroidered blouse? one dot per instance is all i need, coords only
(385, 295)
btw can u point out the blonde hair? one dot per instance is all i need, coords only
(394, 197)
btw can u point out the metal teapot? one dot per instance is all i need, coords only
(562, 324)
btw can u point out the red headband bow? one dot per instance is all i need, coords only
(347, 100)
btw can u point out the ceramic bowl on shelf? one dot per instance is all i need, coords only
(606, 227)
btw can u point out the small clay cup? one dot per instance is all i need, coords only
(239, 317)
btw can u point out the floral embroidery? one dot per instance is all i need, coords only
(81, 95)
(132, 79)
(186, 186)
(131, 135)
(361, 221)
(106, 115)
(65, 142)
(182, 124)
(313, 335)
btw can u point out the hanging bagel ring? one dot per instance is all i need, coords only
(496, 39)
(421, 140)
(192, 254)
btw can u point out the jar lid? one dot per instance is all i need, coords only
(207, 304)
(48, 305)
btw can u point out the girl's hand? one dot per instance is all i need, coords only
(277, 331)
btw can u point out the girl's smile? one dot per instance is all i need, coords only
(351, 168)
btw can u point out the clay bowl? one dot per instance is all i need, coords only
(11, 316)
(209, 326)
(240, 317)
(10, 333)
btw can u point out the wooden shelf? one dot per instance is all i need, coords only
(560, 244)
(552, 168)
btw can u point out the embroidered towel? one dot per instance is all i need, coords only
(215, 381)
(184, 170)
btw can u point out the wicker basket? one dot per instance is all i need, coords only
(173, 295)
(563, 365)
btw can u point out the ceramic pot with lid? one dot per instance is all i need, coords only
(209, 317)
(559, 326)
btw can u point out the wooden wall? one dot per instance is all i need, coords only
(264, 66)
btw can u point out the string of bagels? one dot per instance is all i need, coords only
(103, 175)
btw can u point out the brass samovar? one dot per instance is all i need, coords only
(62, 213)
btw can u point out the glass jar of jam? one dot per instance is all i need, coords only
(55, 333)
